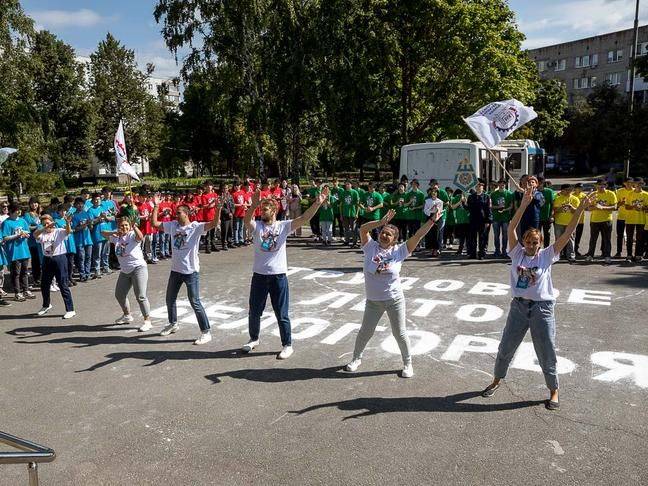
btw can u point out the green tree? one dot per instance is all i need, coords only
(551, 106)
(118, 92)
(66, 114)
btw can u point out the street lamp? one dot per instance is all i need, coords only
(633, 57)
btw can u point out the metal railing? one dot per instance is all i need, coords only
(29, 453)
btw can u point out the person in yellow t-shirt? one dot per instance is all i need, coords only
(636, 205)
(564, 206)
(578, 192)
(622, 193)
(601, 208)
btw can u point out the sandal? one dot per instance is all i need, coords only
(490, 390)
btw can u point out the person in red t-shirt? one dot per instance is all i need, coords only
(277, 194)
(209, 202)
(265, 193)
(242, 200)
(197, 201)
(144, 208)
(167, 213)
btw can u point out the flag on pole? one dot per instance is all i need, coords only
(123, 166)
(496, 121)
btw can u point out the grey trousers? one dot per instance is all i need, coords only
(374, 309)
(137, 279)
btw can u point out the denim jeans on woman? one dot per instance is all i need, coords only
(277, 287)
(539, 317)
(192, 281)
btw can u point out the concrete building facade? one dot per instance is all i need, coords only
(583, 64)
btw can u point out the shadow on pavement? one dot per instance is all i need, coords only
(451, 403)
(88, 341)
(157, 357)
(38, 331)
(278, 375)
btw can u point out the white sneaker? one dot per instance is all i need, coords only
(29, 295)
(353, 365)
(204, 338)
(408, 371)
(588, 258)
(54, 287)
(69, 315)
(147, 326)
(608, 260)
(250, 346)
(170, 329)
(286, 352)
(44, 310)
(125, 319)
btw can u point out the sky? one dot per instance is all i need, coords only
(83, 23)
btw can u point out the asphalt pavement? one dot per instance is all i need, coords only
(128, 408)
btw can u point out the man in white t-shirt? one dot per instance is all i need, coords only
(270, 266)
(185, 267)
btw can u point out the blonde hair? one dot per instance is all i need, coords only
(532, 232)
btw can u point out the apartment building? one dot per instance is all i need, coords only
(583, 64)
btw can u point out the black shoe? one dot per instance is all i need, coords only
(4, 303)
(617, 255)
(225, 248)
(551, 405)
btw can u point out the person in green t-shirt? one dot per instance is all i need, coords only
(349, 201)
(448, 234)
(415, 203)
(371, 202)
(397, 202)
(459, 207)
(335, 202)
(385, 198)
(546, 217)
(502, 204)
(311, 196)
(326, 218)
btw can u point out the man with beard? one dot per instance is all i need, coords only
(270, 265)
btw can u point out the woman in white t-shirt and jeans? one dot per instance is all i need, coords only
(133, 271)
(534, 299)
(382, 264)
(52, 241)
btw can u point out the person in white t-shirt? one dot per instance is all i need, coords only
(534, 299)
(133, 271)
(270, 266)
(185, 267)
(384, 293)
(52, 241)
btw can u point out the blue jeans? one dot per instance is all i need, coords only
(238, 231)
(500, 227)
(97, 252)
(192, 281)
(277, 287)
(105, 254)
(539, 317)
(155, 246)
(440, 228)
(165, 250)
(83, 258)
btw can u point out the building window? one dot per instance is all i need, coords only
(642, 49)
(542, 66)
(587, 61)
(592, 81)
(594, 60)
(561, 65)
(584, 83)
(615, 56)
(613, 79)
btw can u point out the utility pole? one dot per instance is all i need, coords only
(633, 57)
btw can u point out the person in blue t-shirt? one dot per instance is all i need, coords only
(33, 220)
(82, 239)
(15, 232)
(70, 247)
(531, 216)
(98, 223)
(110, 210)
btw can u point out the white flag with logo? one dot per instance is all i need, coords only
(496, 121)
(123, 166)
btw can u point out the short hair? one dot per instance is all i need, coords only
(393, 228)
(565, 186)
(68, 198)
(106, 189)
(432, 181)
(638, 180)
(14, 207)
(33, 200)
(530, 232)
(578, 185)
(79, 200)
(183, 207)
(415, 181)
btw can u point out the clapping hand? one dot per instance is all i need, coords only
(387, 217)
(157, 199)
(587, 201)
(323, 196)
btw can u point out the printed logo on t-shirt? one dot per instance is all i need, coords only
(179, 240)
(370, 201)
(527, 277)
(120, 249)
(269, 239)
(348, 200)
(383, 262)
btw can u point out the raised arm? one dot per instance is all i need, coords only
(517, 217)
(310, 212)
(369, 226)
(249, 214)
(414, 240)
(562, 241)
(156, 206)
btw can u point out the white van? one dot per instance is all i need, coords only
(453, 163)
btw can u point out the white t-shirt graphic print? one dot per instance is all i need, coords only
(185, 241)
(530, 277)
(382, 270)
(270, 247)
(128, 252)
